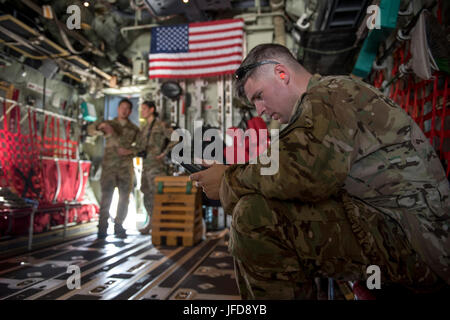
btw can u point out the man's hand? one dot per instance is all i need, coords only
(209, 180)
(106, 128)
(123, 152)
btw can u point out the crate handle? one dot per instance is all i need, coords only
(188, 187)
(160, 187)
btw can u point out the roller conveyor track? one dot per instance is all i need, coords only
(115, 269)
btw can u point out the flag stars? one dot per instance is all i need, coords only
(194, 50)
(172, 39)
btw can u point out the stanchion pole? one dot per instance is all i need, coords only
(66, 216)
(31, 227)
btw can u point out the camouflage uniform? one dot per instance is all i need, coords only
(358, 184)
(117, 171)
(154, 143)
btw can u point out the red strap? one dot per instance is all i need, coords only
(68, 139)
(30, 128)
(52, 130)
(415, 111)
(45, 127)
(362, 292)
(439, 12)
(378, 81)
(443, 115)
(35, 126)
(58, 138)
(423, 108)
(408, 96)
(44, 136)
(392, 93)
(396, 90)
(433, 110)
(5, 121)
(402, 54)
(18, 119)
(67, 130)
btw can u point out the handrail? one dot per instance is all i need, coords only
(53, 114)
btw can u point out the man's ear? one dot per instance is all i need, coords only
(282, 73)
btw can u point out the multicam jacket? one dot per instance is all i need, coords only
(154, 142)
(344, 134)
(124, 136)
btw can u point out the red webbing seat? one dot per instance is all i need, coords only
(69, 180)
(51, 179)
(84, 168)
(58, 218)
(40, 167)
(19, 155)
(87, 212)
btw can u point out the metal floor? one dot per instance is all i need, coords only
(115, 269)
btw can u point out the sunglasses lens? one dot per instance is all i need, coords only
(240, 73)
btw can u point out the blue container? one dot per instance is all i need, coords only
(88, 111)
(388, 21)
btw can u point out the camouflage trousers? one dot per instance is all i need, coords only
(280, 247)
(148, 187)
(109, 180)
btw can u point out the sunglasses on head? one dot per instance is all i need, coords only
(242, 71)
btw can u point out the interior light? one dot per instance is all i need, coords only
(185, 1)
(86, 4)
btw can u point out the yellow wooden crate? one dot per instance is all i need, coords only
(176, 237)
(177, 212)
(169, 185)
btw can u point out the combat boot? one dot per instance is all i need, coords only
(146, 229)
(101, 235)
(119, 231)
(102, 232)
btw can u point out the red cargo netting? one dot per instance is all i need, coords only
(19, 154)
(65, 178)
(426, 101)
(40, 164)
(53, 144)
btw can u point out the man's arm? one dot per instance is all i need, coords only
(313, 164)
(93, 129)
(167, 134)
(104, 127)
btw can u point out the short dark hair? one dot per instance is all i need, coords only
(127, 101)
(266, 51)
(151, 104)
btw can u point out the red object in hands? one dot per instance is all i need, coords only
(361, 292)
(243, 148)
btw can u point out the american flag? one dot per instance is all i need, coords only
(202, 49)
